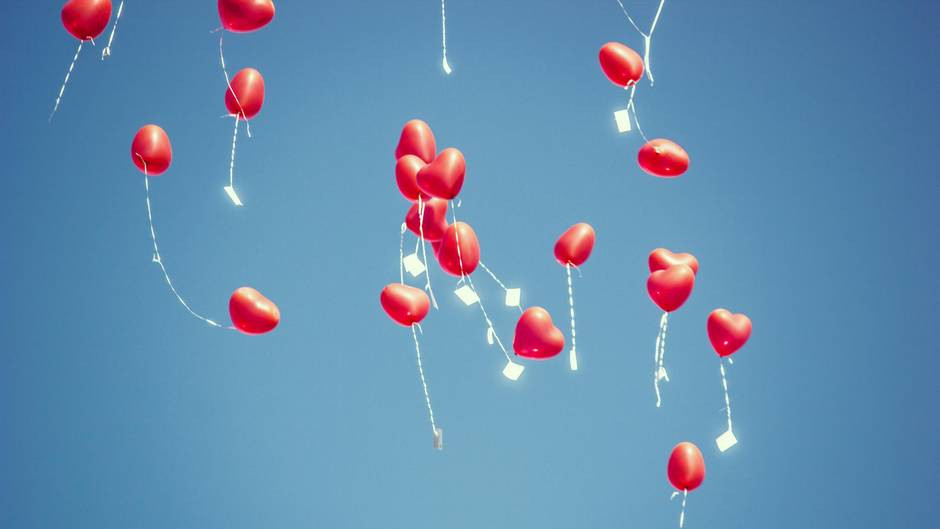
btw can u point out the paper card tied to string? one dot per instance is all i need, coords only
(414, 265)
(467, 295)
(513, 297)
(230, 191)
(438, 438)
(726, 441)
(622, 117)
(513, 371)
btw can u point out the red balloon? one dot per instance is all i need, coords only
(86, 19)
(406, 176)
(622, 65)
(575, 245)
(670, 288)
(661, 259)
(241, 16)
(663, 158)
(251, 312)
(436, 246)
(151, 150)
(443, 177)
(417, 139)
(248, 88)
(728, 332)
(686, 469)
(536, 336)
(435, 219)
(469, 256)
(406, 305)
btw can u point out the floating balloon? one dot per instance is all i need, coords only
(727, 332)
(663, 158)
(85, 20)
(244, 97)
(434, 216)
(669, 289)
(536, 336)
(443, 177)
(151, 150)
(241, 16)
(622, 65)
(459, 254)
(686, 471)
(661, 259)
(251, 312)
(418, 140)
(572, 249)
(406, 176)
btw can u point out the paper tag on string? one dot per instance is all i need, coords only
(726, 440)
(467, 295)
(490, 333)
(230, 191)
(513, 371)
(438, 438)
(413, 265)
(622, 117)
(513, 296)
(661, 374)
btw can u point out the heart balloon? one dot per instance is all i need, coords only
(536, 336)
(247, 94)
(464, 261)
(728, 332)
(151, 150)
(575, 245)
(443, 177)
(686, 469)
(406, 305)
(670, 288)
(251, 312)
(622, 65)
(406, 176)
(86, 19)
(663, 158)
(241, 16)
(436, 246)
(435, 219)
(661, 259)
(417, 139)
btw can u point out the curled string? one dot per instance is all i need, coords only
(498, 282)
(647, 36)
(424, 251)
(659, 372)
(58, 99)
(106, 52)
(572, 354)
(685, 494)
(424, 383)
(401, 254)
(444, 64)
(724, 384)
(157, 258)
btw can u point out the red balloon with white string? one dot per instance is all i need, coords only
(727, 333)
(669, 285)
(663, 158)
(686, 472)
(572, 249)
(244, 97)
(85, 20)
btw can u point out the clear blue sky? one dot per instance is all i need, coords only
(811, 203)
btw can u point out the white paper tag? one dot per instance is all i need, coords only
(467, 295)
(230, 191)
(622, 117)
(413, 265)
(513, 371)
(661, 374)
(490, 333)
(513, 296)
(438, 438)
(726, 440)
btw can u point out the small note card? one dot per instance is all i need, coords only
(513, 371)
(513, 295)
(467, 295)
(230, 191)
(622, 117)
(413, 265)
(726, 440)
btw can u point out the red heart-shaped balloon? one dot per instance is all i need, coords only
(622, 65)
(670, 288)
(443, 177)
(663, 158)
(575, 245)
(435, 219)
(536, 336)
(405, 305)
(417, 139)
(406, 176)
(686, 468)
(251, 312)
(462, 262)
(247, 94)
(241, 16)
(86, 19)
(728, 332)
(661, 259)
(151, 150)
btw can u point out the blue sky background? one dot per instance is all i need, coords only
(811, 203)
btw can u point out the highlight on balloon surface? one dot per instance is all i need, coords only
(727, 333)
(244, 98)
(669, 287)
(663, 158)
(572, 249)
(85, 20)
(686, 471)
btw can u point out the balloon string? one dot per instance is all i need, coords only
(444, 64)
(647, 37)
(453, 213)
(401, 254)
(424, 383)
(106, 52)
(724, 384)
(631, 106)
(498, 282)
(228, 82)
(58, 99)
(572, 354)
(659, 372)
(489, 322)
(424, 251)
(685, 494)
(231, 163)
(157, 258)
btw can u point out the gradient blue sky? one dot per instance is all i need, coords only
(811, 204)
